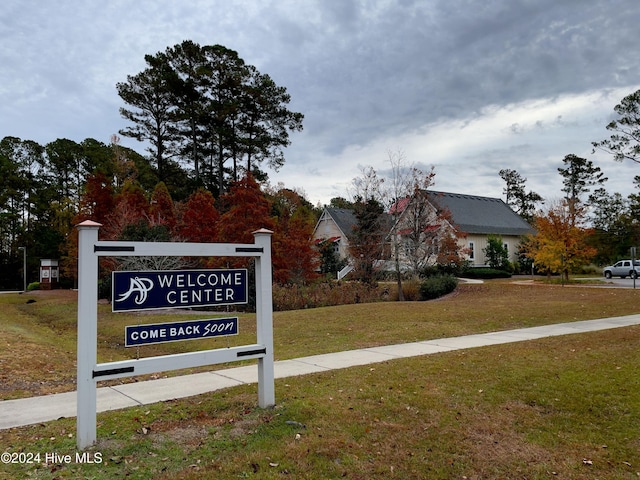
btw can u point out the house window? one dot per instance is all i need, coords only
(471, 250)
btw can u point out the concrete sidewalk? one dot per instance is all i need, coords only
(14, 413)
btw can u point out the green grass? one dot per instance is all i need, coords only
(525, 410)
(39, 328)
(562, 407)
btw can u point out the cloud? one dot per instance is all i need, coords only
(469, 152)
(468, 86)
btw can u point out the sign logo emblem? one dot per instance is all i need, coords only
(140, 286)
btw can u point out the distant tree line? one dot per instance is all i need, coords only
(210, 124)
(46, 190)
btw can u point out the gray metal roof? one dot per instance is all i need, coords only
(480, 215)
(470, 214)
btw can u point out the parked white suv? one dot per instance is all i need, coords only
(623, 269)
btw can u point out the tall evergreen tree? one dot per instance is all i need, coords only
(206, 104)
(522, 202)
(624, 142)
(153, 115)
(579, 176)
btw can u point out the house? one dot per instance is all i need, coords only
(473, 219)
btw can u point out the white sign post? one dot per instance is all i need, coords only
(90, 372)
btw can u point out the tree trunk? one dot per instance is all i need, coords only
(396, 254)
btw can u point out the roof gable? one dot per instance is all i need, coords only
(345, 219)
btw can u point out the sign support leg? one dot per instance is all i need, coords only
(264, 318)
(87, 334)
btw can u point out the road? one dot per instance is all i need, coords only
(602, 282)
(618, 282)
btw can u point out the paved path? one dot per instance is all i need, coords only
(14, 413)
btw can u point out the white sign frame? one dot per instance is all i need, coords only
(90, 372)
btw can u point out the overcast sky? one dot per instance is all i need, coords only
(469, 86)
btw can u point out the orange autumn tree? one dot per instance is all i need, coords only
(560, 244)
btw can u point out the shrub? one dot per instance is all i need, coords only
(33, 286)
(589, 270)
(439, 270)
(104, 288)
(497, 253)
(434, 287)
(410, 290)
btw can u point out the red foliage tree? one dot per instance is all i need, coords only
(96, 203)
(162, 210)
(294, 258)
(131, 206)
(248, 210)
(199, 218)
(98, 199)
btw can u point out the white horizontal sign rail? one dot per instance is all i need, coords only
(166, 363)
(170, 249)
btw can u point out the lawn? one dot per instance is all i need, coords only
(564, 407)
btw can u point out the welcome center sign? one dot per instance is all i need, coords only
(150, 290)
(147, 290)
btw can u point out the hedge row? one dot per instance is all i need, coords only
(485, 273)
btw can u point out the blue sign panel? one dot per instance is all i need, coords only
(178, 288)
(137, 335)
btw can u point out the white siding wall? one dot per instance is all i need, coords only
(480, 244)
